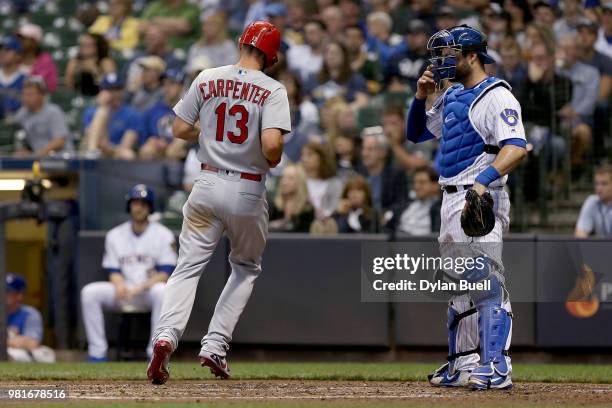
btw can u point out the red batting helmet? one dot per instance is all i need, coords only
(265, 37)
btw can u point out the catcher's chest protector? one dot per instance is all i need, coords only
(461, 144)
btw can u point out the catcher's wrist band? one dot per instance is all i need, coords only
(488, 175)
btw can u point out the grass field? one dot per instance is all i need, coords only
(304, 384)
(548, 373)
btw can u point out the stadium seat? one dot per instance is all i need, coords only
(128, 315)
(7, 138)
(63, 98)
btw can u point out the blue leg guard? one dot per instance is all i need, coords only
(495, 331)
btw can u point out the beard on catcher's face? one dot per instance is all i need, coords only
(462, 70)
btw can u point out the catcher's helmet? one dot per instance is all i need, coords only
(265, 37)
(141, 192)
(458, 39)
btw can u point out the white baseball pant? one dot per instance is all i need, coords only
(450, 232)
(41, 354)
(99, 296)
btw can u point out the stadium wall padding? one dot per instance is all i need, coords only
(309, 294)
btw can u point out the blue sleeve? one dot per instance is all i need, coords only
(165, 268)
(149, 128)
(136, 123)
(88, 116)
(416, 131)
(515, 141)
(110, 271)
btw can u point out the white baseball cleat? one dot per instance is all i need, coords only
(442, 377)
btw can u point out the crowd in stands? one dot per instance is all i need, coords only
(350, 69)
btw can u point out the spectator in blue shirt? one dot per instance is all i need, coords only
(157, 141)
(112, 128)
(381, 40)
(11, 76)
(24, 325)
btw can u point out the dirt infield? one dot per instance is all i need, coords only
(334, 392)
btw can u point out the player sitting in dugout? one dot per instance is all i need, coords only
(24, 325)
(139, 255)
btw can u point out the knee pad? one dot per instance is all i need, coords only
(481, 269)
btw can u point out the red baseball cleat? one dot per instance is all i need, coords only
(217, 364)
(158, 371)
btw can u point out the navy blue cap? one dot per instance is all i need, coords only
(177, 75)
(275, 10)
(141, 192)
(111, 81)
(15, 283)
(12, 43)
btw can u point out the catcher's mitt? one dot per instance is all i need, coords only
(477, 217)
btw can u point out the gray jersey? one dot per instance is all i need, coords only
(234, 105)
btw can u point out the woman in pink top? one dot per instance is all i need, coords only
(35, 60)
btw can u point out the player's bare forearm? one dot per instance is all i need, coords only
(116, 278)
(272, 145)
(185, 131)
(155, 278)
(22, 342)
(507, 159)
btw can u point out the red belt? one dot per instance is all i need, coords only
(245, 176)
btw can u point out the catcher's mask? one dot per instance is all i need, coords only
(443, 51)
(445, 45)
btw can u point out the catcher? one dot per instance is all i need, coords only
(478, 123)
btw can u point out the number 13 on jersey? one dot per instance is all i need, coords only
(242, 117)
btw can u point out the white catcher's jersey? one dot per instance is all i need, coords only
(493, 118)
(233, 105)
(135, 256)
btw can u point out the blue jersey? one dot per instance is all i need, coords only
(10, 92)
(123, 119)
(158, 122)
(26, 321)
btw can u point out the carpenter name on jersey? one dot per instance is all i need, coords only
(245, 91)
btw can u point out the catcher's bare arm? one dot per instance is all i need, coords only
(507, 159)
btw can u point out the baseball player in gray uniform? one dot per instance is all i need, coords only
(242, 116)
(478, 123)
